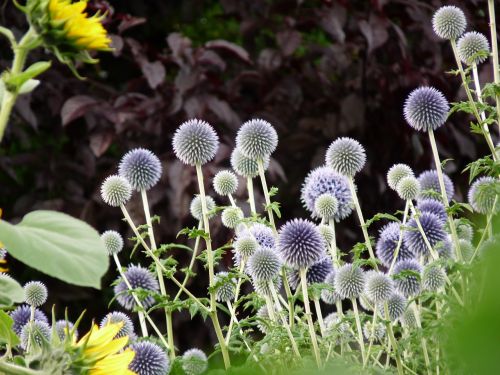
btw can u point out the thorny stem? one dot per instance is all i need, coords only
(251, 197)
(494, 50)
(359, 329)
(312, 333)
(400, 238)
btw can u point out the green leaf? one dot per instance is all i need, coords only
(14, 82)
(7, 335)
(58, 245)
(10, 291)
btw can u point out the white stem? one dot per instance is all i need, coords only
(400, 237)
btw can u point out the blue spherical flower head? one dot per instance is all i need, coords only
(224, 287)
(433, 229)
(263, 234)
(257, 139)
(194, 362)
(350, 281)
(429, 186)
(149, 359)
(113, 241)
(396, 306)
(138, 277)
(482, 195)
(426, 109)
(473, 48)
(315, 274)
(263, 287)
(196, 209)
(407, 275)
(37, 332)
(379, 287)
(449, 22)
(225, 183)
(63, 328)
(396, 173)
(141, 168)
(245, 166)
(434, 207)
(119, 317)
(300, 243)
(324, 180)
(346, 156)
(387, 244)
(116, 190)
(35, 293)
(195, 142)
(264, 264)
(21, 316)
(330, 295)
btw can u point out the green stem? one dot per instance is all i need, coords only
(372, 334)
(494, 50)
(333, 245)
(319, 314)
(400, 238)
(12, 369)
(312, 333)
(392, 340)
(423, 341)
(236, 295)
(359, 329)
(266, 194)
(251, 197)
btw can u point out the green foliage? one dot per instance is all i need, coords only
(7, 335)
(10, 291)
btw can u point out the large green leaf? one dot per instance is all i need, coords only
(58, 245)
(10, 291)
(7, 335)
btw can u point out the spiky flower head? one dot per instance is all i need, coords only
(113, 241)
(407, 275)
(346, 156)
(35, 293)
(245, 166)
(433, 278)
(464, 230)
(349, 281)
(387, 244)
(264, 264)
(396, 306)
(21, 316)
(323, 180)
(433, 229)
(408, 188)
(396, 173)
(449, 22)
(127, 328)
(149, 359)
(326, 206)
(466, 249)
(138, 277)
(378, 331)
(482, 195)
(327, 232)
(195, 142)
(141, 168)
(379, 287)
(426, 109)
(337, 328)
(434, 207)
(408, 319)
(116, 190)
(224, 287)
(245, 246)
(315, 274)
(365, 302)
(263, 287)
(263, 234)
(300, 243)
(330, 295)
(445, 248)
(429, 185)
(257, 139)
(231, 217)
(194, 362)
(196, 208)
(225, 183)
(63, 327)
(36, 332)
(473, 48)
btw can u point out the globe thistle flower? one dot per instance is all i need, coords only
(264, 264)
(116, 190)
(426, 109)
(141, 168)
(195, 142)
(327, 232)
(387, 243)
(471, 47)
(38, 331)
(21, 317)
(262, 317)
(324, 180)
(464, 230)
(396, 306)
(396, 173)
(466, 249)
(138, 277)
(149, 359)
(300, 243)
(482, 195)
(245, 166)
(429, 185)
(245, 246)
(225, 287)
(433, 278)
(326, 206)
(433, 229)
(445, 249)
(378, 331)
(349, 281)
(231, 216)
(408, 284)
(113, 241)
(257, 139)
(63, 327)
(315, 274)
(449, 22)
(434, 207)
(346, 156)
(379, 287)
(194, 362)
(225, 183)
(196, 208)
(114, 317)
(330, 296)
(330, 321)
(263, 234)
(408, 188)
(335, 327)
(263, 287)
(35, 293)
(408, 319)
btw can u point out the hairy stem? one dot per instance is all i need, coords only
(359, 329)
(312, 333)
(251, 197)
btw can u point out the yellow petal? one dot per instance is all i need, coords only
(116, 364)
(108, 349)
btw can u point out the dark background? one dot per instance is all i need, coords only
(315, 69)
